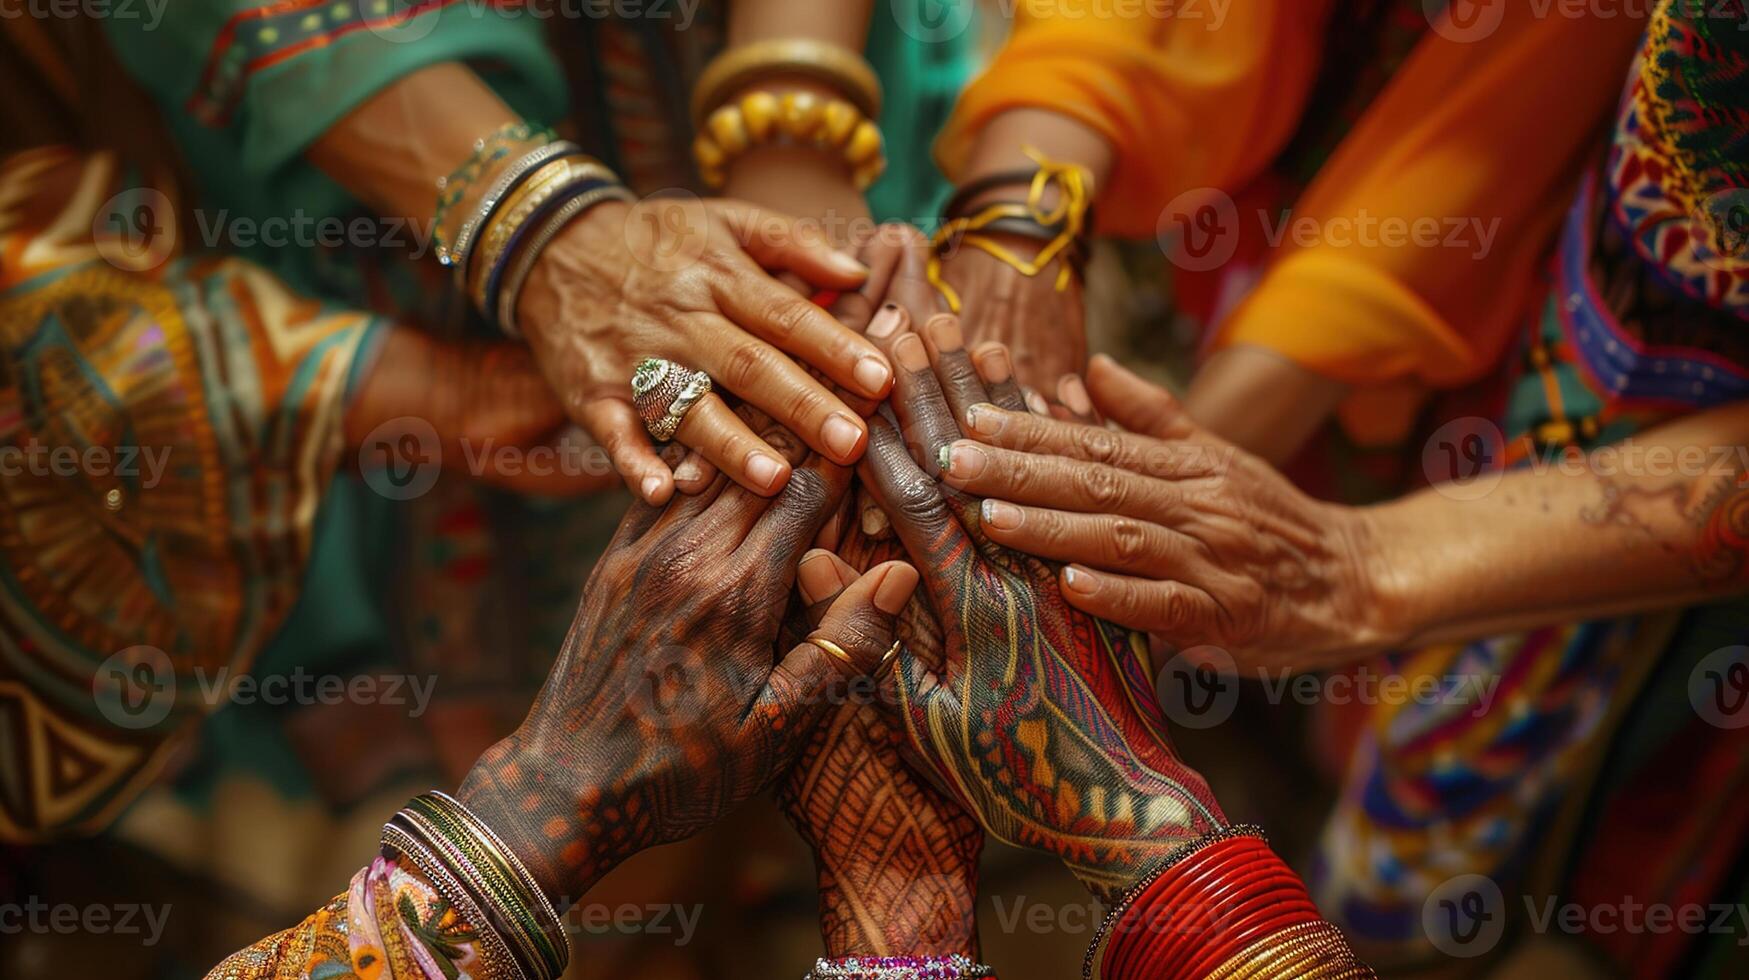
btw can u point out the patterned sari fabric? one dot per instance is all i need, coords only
(391, 923)
(171, 426)
(1643, 320)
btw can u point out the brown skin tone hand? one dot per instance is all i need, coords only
(666, 708)
(897, 859)
(1041, 720)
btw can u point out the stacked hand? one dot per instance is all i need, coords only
(693, 282)
(1171, 530)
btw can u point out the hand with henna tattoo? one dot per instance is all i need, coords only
(897, 860)
(665, 708)
(1042, 719)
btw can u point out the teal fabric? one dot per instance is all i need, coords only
(923, 51)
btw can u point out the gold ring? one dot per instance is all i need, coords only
(835, 650)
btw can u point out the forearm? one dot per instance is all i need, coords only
(391, 151)
(1007, 142)
(810, 182)
(1261, 401)
(1653, 523)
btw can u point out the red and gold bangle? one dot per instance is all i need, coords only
(1223, 905)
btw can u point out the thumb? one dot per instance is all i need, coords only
(851, 640)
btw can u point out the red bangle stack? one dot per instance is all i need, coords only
(1200, 911)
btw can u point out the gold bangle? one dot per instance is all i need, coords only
(494, 952)
(799, 118)
(821, 61)
(516, 211)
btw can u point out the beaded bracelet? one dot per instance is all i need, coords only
(956, 966)
(842, 69)
(793, 118)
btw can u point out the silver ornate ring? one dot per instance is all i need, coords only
(663, 392)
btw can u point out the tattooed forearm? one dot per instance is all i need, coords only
(1702, 520)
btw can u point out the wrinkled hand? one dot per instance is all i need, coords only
(1042, 719)
(692, 281)
(665, 708)
(1171, 529)
(1044, 329)
(487, 404)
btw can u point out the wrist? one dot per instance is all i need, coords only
(1381, 577)
(578, 254)
(539, 807)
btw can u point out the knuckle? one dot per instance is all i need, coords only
(1098, 444)
(1102, 486)
(918, 500)
(806, 403)
(746, 364)
(1129, 540)
(1177, 609)
(786, 317)
(807, 489)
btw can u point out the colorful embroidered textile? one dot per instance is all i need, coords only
(202, 400)
(1623, 338)
(391, 924)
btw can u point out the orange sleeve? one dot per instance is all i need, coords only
(1420, 241)
(1204, 97)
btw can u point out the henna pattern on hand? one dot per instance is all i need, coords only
(664, 710)
(897, 860)
(1043, 720)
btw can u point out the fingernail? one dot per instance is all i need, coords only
(841, 435)
(944, 333)
(910, 353)
(817, 578)
(764, 469)
(1078, 581)
(995, 367)
(1036, 402)
(963, 461)
(1000, 515)
(688, 471)
(895, 590)
(872, 374)
(874, 521)
(847, 265)
(1074, 395)
(651, 486)
(985, 419)
(886, 321)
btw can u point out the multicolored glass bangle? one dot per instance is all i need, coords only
(500, 886)
(955, 966)
(488, 149)
(508, 181)
(523, 259)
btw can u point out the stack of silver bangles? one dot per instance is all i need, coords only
(956, 966)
